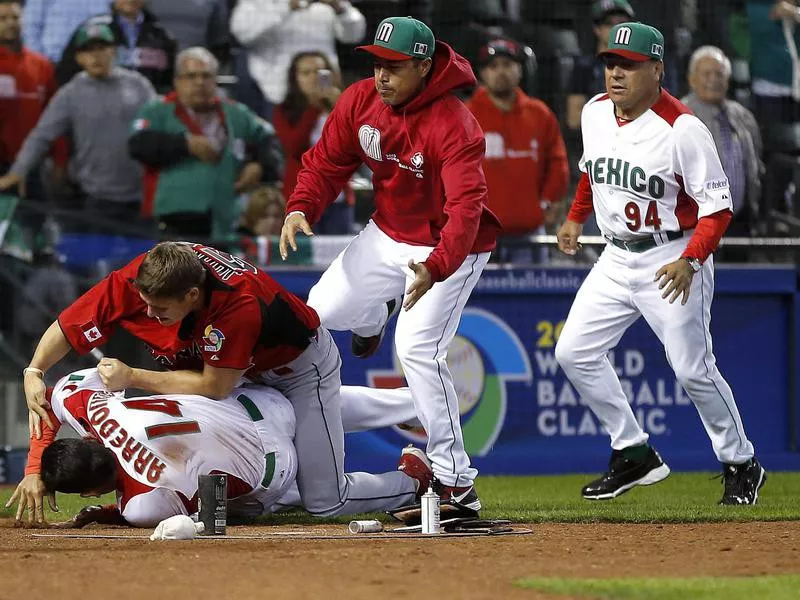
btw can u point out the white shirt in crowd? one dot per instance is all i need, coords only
(273, 34)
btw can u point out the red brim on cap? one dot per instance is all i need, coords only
(382, 52)
(634, 56)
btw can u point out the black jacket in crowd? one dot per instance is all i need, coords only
(153, 56)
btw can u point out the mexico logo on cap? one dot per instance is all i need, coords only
(623, 36)
(384, 33)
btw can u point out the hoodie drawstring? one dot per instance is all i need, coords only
(405, 128)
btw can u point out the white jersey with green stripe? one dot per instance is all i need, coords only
(165, 442)
(657, 173)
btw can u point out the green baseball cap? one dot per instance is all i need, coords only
(93, 33)
(635, 41)
(601, 8)
(401, 38)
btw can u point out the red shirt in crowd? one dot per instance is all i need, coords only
(295, 139)
(27, 82)
(526, 159)
(425, 157)
(249, 321)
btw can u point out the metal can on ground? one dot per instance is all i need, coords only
(430, 512)
(212, 497)
(365, 526)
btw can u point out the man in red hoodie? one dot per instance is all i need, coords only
(526, 165)
(429, 238)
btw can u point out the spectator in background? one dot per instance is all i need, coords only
(735, 132)
(27, 83)
(196, 23)
(588, 78)
(47, 25)
(274, 31)
(201, 152)
(313, 88)
(96, 109)
(526, 166)
(143, 44)
(49, 290)
(774, 63)
(263, 213)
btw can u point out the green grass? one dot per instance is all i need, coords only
(775, 587)
(682, 498)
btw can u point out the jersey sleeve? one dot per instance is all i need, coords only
(90, 320)
(697, 162)
(38, 446)
(150, 508)
(229, 337)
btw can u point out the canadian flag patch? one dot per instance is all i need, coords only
(91, 331)
(140, 124)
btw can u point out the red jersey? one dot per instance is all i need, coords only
(425, 158)
(249, 321)
(526, 159)
(295, 139)
(27, 82)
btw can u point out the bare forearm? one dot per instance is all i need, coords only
(177, 382)
(52, 348)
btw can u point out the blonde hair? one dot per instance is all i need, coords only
(259, 203)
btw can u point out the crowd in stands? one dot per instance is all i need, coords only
(188, 118)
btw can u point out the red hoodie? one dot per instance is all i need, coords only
(426, 161)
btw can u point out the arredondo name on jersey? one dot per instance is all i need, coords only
(619, 172)
(112, 435)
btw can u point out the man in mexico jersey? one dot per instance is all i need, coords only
(652, 175)
(160, 444)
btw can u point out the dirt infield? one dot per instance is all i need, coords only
(483, 567)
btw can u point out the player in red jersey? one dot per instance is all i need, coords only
(212, 319)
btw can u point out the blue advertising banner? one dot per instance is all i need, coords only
(520, 415)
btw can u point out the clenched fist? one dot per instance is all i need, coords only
(114, 374)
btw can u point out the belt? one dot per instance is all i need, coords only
(644, 244)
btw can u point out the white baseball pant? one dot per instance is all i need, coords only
(352, 295)
(620, 288)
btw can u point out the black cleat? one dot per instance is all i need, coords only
(624, 473)
(742, 483)
(364, 347)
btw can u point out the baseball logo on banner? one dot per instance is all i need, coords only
(485, 354)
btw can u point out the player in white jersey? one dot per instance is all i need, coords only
(152, 449)
(652, 174)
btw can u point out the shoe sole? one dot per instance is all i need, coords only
(419, 454)
(656, 475)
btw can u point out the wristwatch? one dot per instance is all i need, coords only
(694, 263)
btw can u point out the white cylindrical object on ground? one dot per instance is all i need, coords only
(365, 526)
(430, 512)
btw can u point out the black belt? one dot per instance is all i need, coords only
(644, 244)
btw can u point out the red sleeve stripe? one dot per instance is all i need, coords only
(582, 205)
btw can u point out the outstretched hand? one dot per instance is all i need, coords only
(677, 278)
(293, 223)
(421, 284)
(30, 494)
